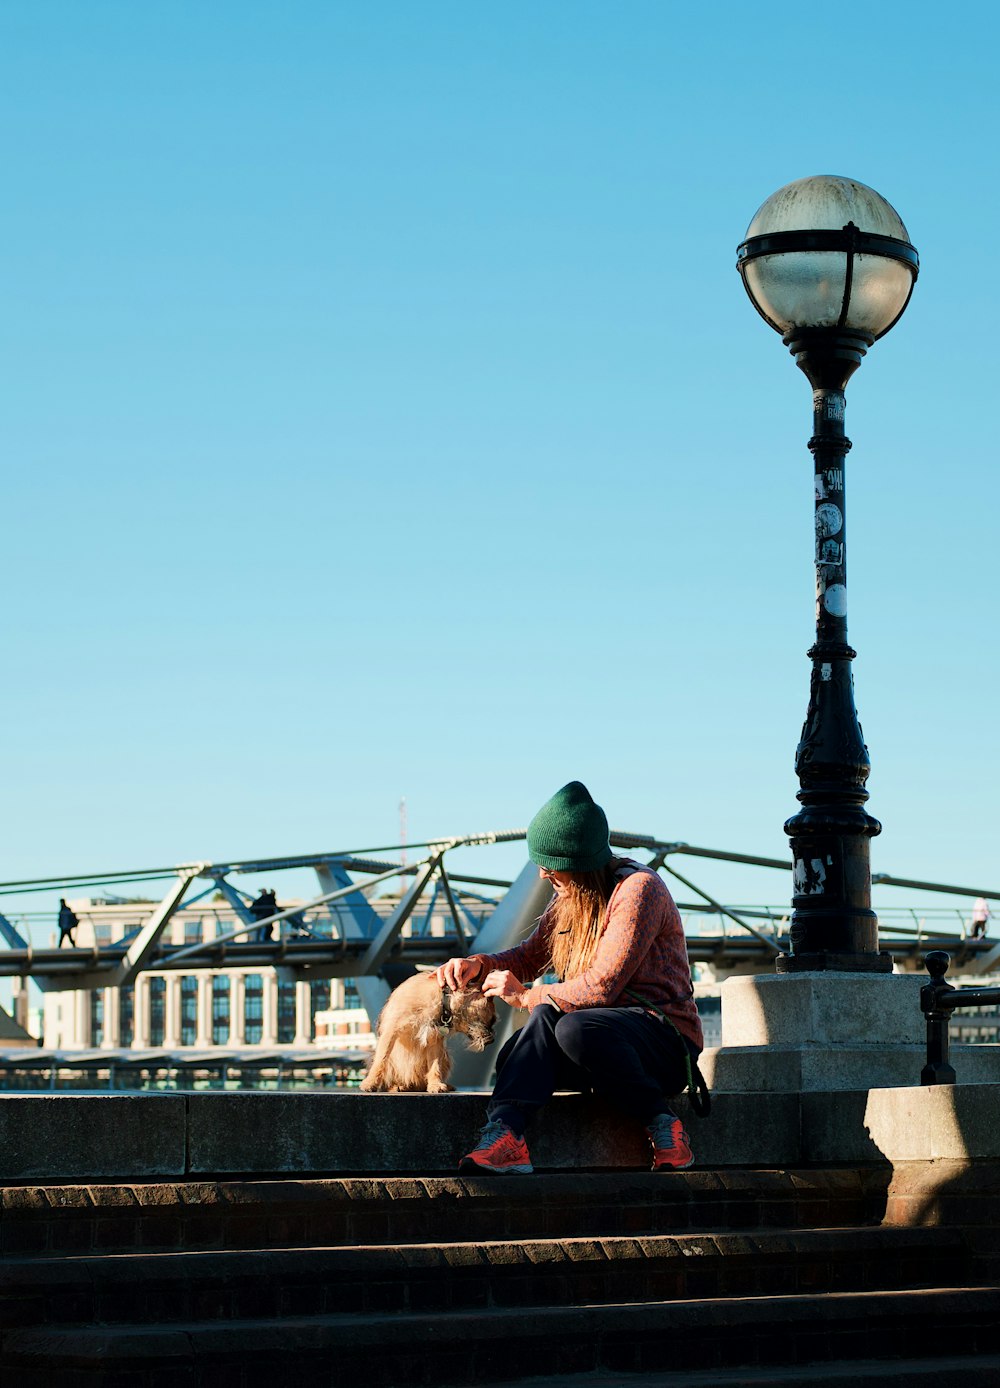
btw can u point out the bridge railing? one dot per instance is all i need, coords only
(434, 906)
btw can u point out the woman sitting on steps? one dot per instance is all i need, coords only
(622, 1021)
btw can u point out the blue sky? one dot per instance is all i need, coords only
(384, 416)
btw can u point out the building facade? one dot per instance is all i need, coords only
(200, 1008)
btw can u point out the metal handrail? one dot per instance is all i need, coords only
(937, 1002)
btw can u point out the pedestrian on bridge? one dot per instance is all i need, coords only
(68, 921)
(262, 908)
(621, 1020)
(980, 915)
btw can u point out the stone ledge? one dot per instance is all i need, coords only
(43, 1135)
(197, 1135)
(194, 1136)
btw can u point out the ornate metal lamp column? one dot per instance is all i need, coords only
(828, 263)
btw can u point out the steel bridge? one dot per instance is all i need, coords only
(339, 933)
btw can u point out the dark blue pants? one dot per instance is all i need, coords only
(622, 1053)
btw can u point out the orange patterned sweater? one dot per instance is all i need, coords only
(642, 947)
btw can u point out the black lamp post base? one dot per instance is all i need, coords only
(825, 960)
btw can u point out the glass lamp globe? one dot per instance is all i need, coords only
(828, 252)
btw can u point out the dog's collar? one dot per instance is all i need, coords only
(445, 1019)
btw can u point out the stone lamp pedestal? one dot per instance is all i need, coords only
(819, 1031)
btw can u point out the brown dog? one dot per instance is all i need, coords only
(413, 1027)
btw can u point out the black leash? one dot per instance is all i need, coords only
(700, 1098)
(445, 1020)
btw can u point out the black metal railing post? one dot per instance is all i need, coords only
(938, 1069)
(937, 1002)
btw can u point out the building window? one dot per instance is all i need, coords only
(157, 1010)
(253, 1009)
(286, 1013)
(220, 1010)
(319, 1001)
(126, 1015)
(192, 930)
(351, 997)
(97, 1017)
(189, 1010)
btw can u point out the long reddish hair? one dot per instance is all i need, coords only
(578, 915)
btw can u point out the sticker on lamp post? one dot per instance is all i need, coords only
(835, 600)
(809, 876)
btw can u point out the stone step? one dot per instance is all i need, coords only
(54, 1220)
(269, 1283)
(953, 1371)
(439, 1351)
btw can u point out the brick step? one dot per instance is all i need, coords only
(164, 1287)
(53, 1220)
(954, 1371)
(390, 1351)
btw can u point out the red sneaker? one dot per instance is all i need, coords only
(671, 1149)
(497, 1150)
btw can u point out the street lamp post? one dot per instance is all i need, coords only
(828, 264)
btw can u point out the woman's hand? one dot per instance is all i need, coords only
(502, 984)
(459, 973)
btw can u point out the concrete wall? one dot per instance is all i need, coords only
(118, 1137)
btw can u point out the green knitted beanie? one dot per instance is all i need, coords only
(570, 833)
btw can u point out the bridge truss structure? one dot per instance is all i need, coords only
(340, 934)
